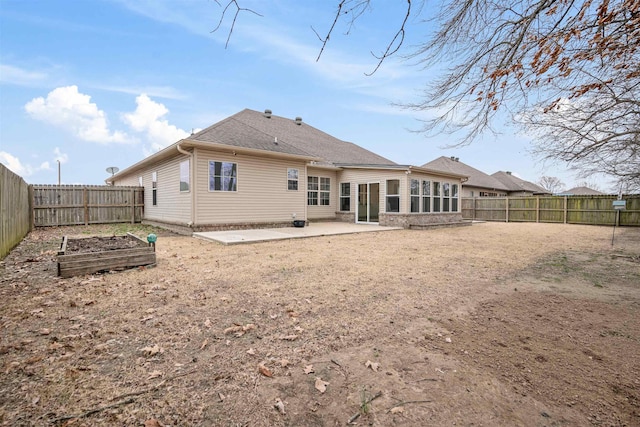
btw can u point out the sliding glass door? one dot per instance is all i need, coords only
(368, 202)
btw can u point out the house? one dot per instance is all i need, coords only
(479, 184)
(580, 191)
(256, 169)
(519, 187)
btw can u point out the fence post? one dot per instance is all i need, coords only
(133, 206)
(565, 209)
(32, 216)
(85, 202)
(506, 208)
(538, 209)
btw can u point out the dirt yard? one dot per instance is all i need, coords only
(489, 325)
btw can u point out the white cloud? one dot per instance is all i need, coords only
(59, 156)
(19, 76)
(149, 118)
(74, 112)
(14, 164)
(167, 92)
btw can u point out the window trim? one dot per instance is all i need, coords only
(389, 197)
(188, 176)
(154, 188)
(318, 190)
(414, 196)
(291, 181)
(232, 177)
(345, 197)
(426, 198)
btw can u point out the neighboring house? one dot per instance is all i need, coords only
(479, 184)
(519, 187)
(580, 191)
(256, 170)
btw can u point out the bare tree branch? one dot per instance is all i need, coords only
(235, 17)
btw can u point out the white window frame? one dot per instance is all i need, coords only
(414, 195)
(426, 195)
(389, 196)
(154, 188)
(185, 176)
(324, 197)
(291, 180)
(232, 176)
(313, 185)
(345, 197)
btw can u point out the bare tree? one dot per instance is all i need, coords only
(551, 183)
(567, 70)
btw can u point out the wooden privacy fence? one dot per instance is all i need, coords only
(593, 210)
(55, 205)
(14, 210)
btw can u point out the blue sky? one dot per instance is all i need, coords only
(100, 83)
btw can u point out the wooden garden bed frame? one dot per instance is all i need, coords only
(81, 263)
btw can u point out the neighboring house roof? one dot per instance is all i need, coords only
(581, 191)
(253, 129)
(477, 178)
(513, 183)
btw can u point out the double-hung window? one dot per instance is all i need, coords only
(292, 179)
(446, 196)
(426, 196)
(437, 193)
(393, 195)
(318, 191)
(312, 190)
(454, 198)
(325, 191)
(345, 196)
(415, 195)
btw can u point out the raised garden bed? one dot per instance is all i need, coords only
(94, 254)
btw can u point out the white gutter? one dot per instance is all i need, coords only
(192, 185)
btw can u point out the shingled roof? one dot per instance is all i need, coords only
(513, 183)
(477, 178)
(265, 131)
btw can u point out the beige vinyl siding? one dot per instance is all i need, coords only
(319, 211)
(261, 195)
(173, 205)
(130, 180)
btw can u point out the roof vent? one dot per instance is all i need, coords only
(267, 114)
(298, 121)
(508, 172)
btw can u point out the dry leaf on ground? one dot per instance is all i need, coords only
(153, 423)
(373, 365)
(279, 405)
(264, 370)
(396, 410)
(152, 350)
(320, 385)
(308, 369)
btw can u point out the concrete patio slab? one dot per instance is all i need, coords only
(233, 237)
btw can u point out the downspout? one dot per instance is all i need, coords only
(192, 183)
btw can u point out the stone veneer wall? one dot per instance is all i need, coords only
(417, 219)
(345, 217)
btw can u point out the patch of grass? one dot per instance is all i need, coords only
(365, 405)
